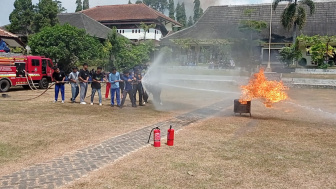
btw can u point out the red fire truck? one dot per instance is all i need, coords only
(25, 71)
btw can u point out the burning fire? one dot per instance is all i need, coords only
(260, 87)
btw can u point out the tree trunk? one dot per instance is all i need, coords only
(294, 32)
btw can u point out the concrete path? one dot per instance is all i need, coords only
(70, 167)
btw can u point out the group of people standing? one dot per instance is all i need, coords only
(116, 84)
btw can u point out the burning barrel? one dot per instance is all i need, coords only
(242, 107)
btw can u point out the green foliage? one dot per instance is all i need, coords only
(171, 8)
(21, 17)
(138, 2)
(79, 6)
(320, 49)
(159, 5)
(46, 14)
(181, 16)
(190, 21)
(27, 19)
(129, 2)
(289, 54)
(86, 4)
(125, 55)
(18, 50)
(166, 53)
(198, 11)
(67, 44)
(146, 28)
(251, 29)
(294, 13)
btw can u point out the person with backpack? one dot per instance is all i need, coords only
(73, 77)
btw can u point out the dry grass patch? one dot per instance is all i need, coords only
(282, 147)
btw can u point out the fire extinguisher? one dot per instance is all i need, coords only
(170, 137)
(157, 136)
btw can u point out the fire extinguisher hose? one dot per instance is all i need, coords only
(150, 134)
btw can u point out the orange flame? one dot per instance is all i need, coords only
(260, 87)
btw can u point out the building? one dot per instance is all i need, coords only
(222, 22)
(82, 21)
(10, 39)
(128, 17)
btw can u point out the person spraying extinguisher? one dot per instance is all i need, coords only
(170, 136)
(157, 136)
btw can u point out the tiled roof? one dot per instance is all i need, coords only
(4, 33)
(83, 21)
(221, 22)
(126, 12)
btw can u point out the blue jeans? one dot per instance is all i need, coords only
(93, 94)
(74, 91)
(113, 91)
(57, 89)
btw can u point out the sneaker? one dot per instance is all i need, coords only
(62, 101)
(83, 103)
(91, 103)
(55, 101)
(71, 99)
(112, 105)
(100, 104)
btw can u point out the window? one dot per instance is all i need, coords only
(139, 31)
(123, 31)
(136, 31)
(49, 64)
(35, 62)
(148, 31)
(132, 31)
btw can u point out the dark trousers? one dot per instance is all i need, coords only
(59, 87)
(138, 88)
(131, 96)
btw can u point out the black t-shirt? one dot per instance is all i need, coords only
(59, 76)
(98, 77)
(84, 74)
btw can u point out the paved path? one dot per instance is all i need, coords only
(72, 166)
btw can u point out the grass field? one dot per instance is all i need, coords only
(283, 147)
(291, 145)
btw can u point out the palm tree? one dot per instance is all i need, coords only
(294, 15)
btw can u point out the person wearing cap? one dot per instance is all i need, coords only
(59, 78)
(73, 77)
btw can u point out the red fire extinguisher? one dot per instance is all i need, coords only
(170, 137)
(157, 136)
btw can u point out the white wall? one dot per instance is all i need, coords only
(135, 35)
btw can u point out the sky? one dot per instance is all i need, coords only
(7, 5)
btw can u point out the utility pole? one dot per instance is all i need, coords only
(268, 69)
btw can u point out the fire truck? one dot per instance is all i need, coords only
(25, 71)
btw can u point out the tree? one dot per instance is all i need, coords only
(251, 29)
(159, 5)
(79, 5)
(86, 4)
(146, 28)
(60, 7)
(124, 55)
(190, 21)
(21, 17)
(198, 11)
(66, 43)
(138, 2)
(171, 9)
(46, 14)
(129, 2)
(181, 16)
(294, 15)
